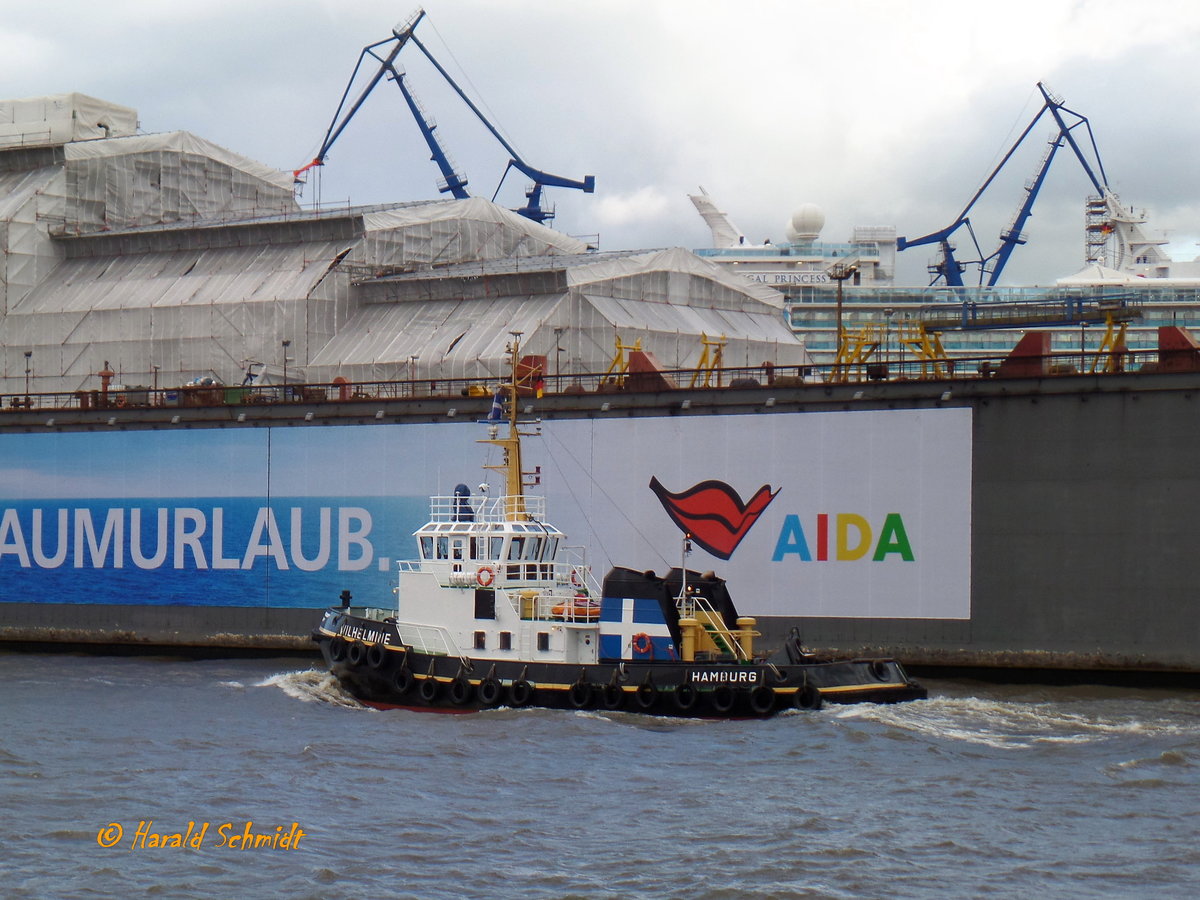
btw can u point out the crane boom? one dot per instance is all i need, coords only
(587, 185)
(951, 269)
(339, 123)
(453, 181)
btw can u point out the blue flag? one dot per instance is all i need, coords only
(497, 412)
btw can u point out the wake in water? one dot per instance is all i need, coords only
(312, 686)
(1014, 724)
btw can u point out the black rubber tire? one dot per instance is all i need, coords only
(376, 656)
(723, 698)
(762, 699)
(429, 689)
(685, 697)
(489, 692)
(402, 681)
(614, 697)
(580, 695)
(878, 669)
(356, 654)
(337, 649)
(460, 692)
(520, 693)
(647, 695)
(808, 697)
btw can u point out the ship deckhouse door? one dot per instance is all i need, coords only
(579, 644)
(458, 551)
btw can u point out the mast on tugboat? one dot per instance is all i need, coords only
(682, 601)
(514, 475)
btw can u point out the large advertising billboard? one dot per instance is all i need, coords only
(815, 514)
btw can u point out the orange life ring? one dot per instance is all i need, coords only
(642, 643)
(485, 576)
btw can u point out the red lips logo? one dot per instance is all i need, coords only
(713, 513)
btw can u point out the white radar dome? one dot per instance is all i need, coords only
(806, 223)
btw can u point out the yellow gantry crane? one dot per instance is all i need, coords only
(615, 374)
(855, 349)
(712, 360)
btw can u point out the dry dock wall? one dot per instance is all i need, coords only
(1082, 505)
(1085, 521)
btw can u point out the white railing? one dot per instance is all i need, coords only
(553, 604)
(712, 622)
(432, 639)
(485, 509)
(568, 573)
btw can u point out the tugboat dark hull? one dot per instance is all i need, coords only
(369, 659)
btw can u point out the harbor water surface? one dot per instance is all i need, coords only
(108, 763)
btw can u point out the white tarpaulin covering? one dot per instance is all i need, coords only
(156, 178)
(425, 235)
(457, 325)
(171, 258)
(1098, 274)
(62, 118)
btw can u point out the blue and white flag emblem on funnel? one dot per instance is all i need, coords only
(634, 629)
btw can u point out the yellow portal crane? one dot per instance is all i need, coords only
(710, 362)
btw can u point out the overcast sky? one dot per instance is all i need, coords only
(883, 113)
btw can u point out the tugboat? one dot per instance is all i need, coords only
(497, 611)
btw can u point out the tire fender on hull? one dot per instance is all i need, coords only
(808, 697)
(337, 649)
(489, 692)
(646, 694)
(723, 698)
(429, 689)
(762, 699)
(614, 697)
(376, 656)
(580, 695)
(685, 697)
(460, 691)
(520, 693)
(402, 681)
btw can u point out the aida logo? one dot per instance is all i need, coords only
(851, 538)
(713, 513)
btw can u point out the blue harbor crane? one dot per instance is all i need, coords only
(948, 269)
(453, 181)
